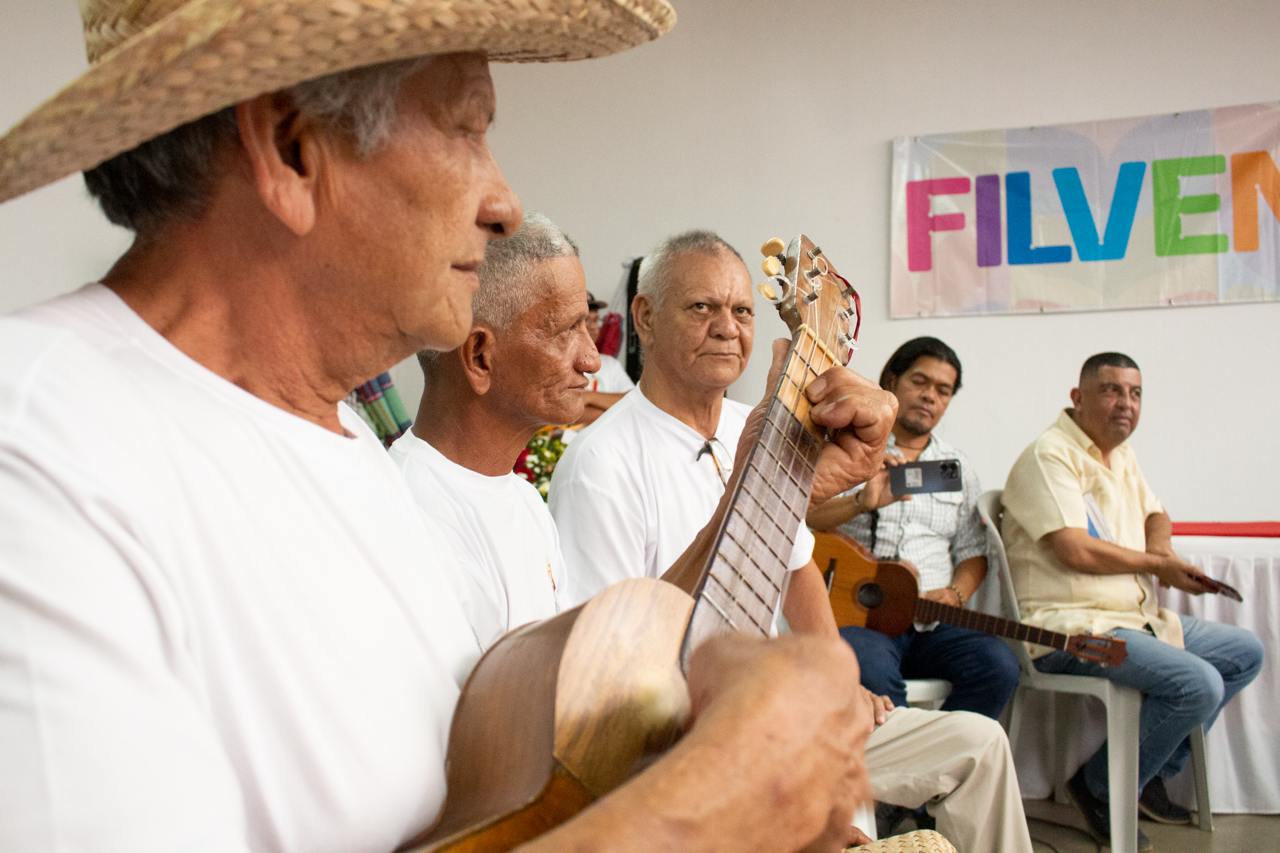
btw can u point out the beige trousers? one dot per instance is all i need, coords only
(960, 765)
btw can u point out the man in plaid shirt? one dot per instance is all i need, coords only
(939, 533)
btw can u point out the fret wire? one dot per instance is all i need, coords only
(809, 465)
(751, 532)
(775, 588)
(762, 628)
(783, 499)
(741, 546)
(725, 616)
(773, 522)
(767, 606)
(734, 600)
(767, 544)
(765, 447)
(732, 579)
(741, 573)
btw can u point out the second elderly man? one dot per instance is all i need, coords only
(632, 491)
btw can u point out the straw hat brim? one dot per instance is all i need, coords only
(209, 54)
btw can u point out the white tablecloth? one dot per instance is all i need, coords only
(1244, 744)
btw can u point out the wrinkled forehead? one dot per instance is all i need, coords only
(710, 274)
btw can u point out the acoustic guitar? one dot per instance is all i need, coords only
(561, 712)
(884, 595)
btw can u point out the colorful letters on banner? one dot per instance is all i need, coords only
(1162, 210)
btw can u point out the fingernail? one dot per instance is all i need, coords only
(817, 386)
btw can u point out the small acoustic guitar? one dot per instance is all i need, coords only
(561, 712)
(884, 595)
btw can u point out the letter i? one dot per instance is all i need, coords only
(987, 202)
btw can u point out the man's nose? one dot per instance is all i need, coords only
(500, 211)
(588, 360)
(723, 325)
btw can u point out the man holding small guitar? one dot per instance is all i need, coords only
(939, 533)
(638, 485)
(1087, 541)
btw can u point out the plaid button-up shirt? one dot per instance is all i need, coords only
(934, 532)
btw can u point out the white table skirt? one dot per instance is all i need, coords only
(1244, 744)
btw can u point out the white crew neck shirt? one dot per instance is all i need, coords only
(631, 493)
(222, 627)
(510, 569)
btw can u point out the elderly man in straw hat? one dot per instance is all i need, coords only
(224, 624)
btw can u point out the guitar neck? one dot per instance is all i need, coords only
(935, 611)
(742, 580)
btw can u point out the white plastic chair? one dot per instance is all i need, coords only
(928, 693)
(1123, 707)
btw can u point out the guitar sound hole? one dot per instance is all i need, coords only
(870, 595)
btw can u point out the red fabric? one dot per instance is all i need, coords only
(1269, 529)
(609, 341)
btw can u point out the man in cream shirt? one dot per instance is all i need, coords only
(1087, 540)
(521, 367)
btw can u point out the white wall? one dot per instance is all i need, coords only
(759, 118)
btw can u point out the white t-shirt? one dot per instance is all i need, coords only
(611, 378)
(222, 627)
(631, 493)
(510, 568)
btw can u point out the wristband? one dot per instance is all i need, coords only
(959, 595)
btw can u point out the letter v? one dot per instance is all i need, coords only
(1124, 205)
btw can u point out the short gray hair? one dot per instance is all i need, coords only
(655, 277)
(172, 176)
(507, 276)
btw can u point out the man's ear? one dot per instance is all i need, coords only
(1076, 396)
(285, 151)
(642, 317)
(476, 354)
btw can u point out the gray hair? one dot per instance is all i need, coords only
(508, 284)
(655, 277)
(171, 177)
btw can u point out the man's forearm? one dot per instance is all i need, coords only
(968, 576)
(834, 512)
(806, 605)
(1076, 549)
(1159, 531)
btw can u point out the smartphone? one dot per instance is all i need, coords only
(937, 475)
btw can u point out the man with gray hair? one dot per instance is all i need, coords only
(521, 367)
(224, 623)
(633, 490)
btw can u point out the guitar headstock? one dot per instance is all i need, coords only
(1106, 651)
(808, 292)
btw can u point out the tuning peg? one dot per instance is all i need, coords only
(771, 266)
(767, 291)
(773, 248)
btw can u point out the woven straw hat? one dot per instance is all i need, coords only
(157, 64)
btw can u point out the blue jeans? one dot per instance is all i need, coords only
(982, 670)
(1182, 689)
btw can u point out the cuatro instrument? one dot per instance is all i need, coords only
(884, 595)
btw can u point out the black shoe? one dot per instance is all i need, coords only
(1155, 804)
(889, 817)
(1097, 814)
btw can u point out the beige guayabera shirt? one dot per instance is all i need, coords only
(1060, 481)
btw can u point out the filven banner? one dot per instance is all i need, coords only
(1179, 209)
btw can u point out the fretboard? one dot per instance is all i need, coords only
(935, 611)
(743, 578)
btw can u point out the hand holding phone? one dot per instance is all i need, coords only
(935, 475)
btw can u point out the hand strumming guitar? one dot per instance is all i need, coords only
(773, 758)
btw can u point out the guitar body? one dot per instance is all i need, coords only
(864, 592)
(560, 712)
